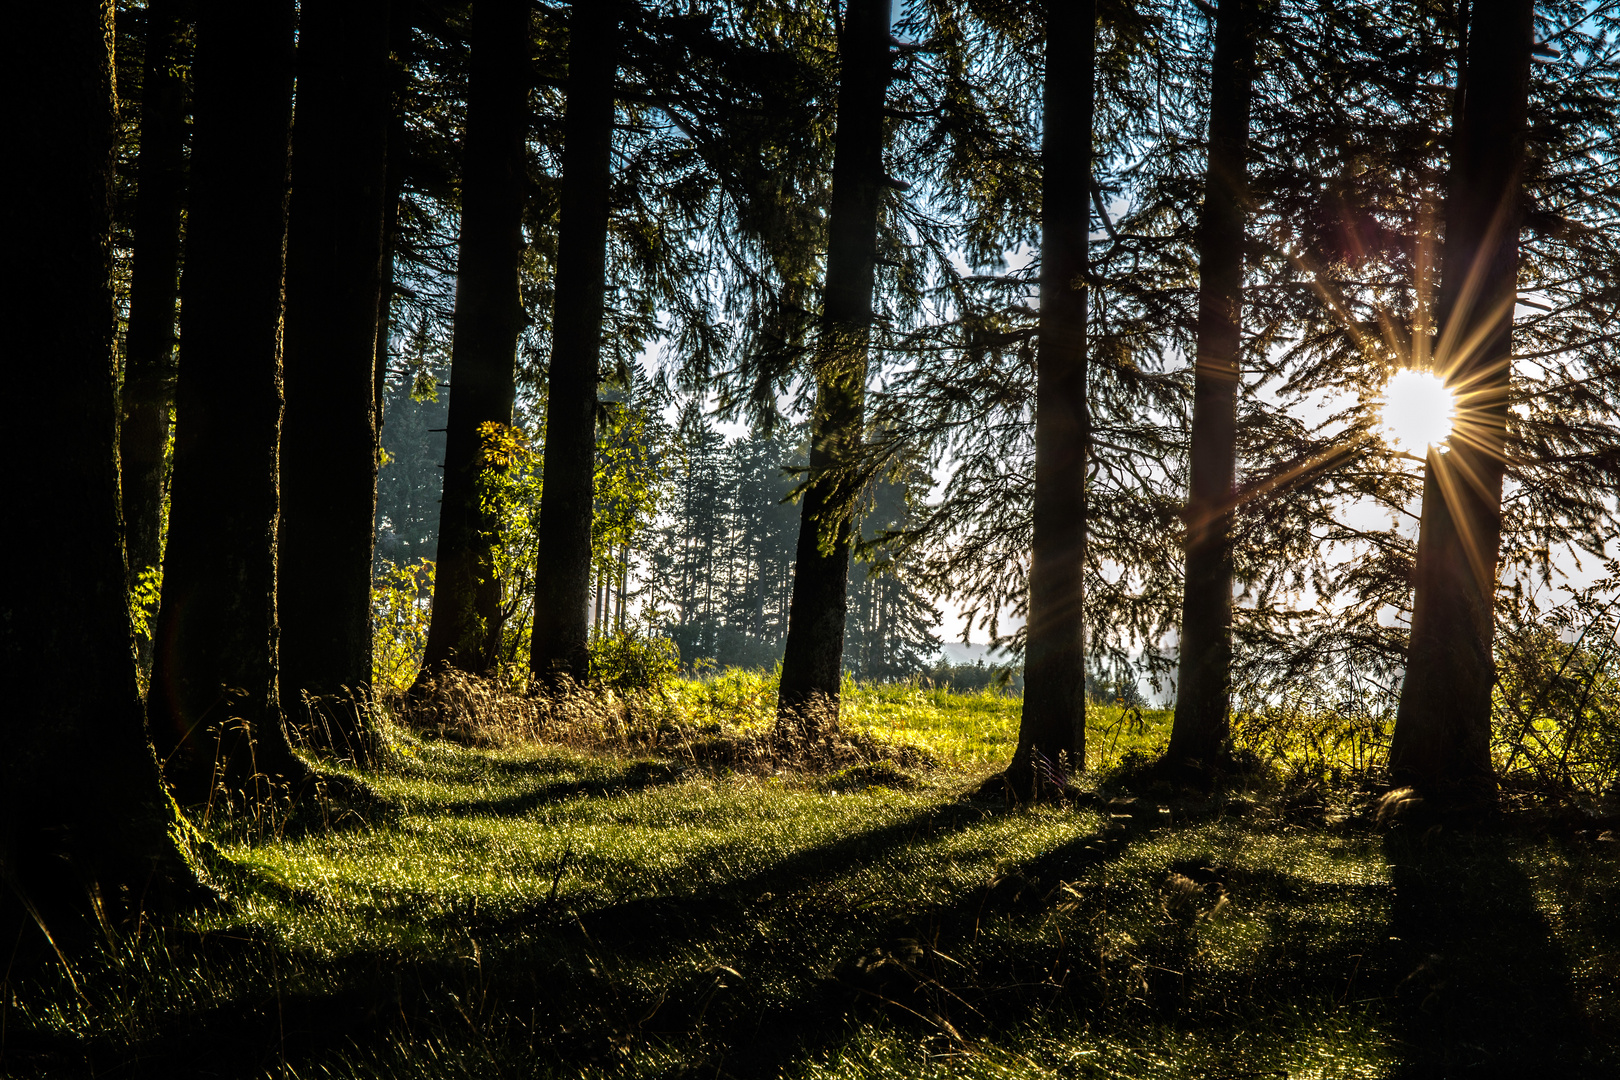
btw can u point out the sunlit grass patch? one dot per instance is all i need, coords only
(543, 909)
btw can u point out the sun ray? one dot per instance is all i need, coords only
(1416, 411)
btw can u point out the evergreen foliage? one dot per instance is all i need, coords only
(720, 575)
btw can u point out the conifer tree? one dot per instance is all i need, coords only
(214, 705)
(464, 631)
(1203, 685)
(812, 665)
(149, 348)
(110, 836)
(328, 435)
(1052, 727)
(889, 632)
(560, 644)
(1441, 743)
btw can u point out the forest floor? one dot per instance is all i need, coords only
(543, 911)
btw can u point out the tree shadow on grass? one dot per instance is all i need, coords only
(599, 784)
(558, 971)
(1483, 990)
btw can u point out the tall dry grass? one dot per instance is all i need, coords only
(494, 712)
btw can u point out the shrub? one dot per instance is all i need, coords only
(401, 599)
(628, 660)
(1557, 699)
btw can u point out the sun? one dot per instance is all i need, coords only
(1416, 411)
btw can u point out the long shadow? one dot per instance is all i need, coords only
(566, 969)
(763, 1042)
(636, 776)
(372, 996)
(1483, 990)
(918, 982)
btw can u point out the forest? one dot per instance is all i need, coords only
(496, 480)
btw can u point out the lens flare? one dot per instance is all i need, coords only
(1416, 411)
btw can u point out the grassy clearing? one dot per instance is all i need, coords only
(541, 911)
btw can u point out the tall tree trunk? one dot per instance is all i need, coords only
(214, 706)
(562, 588)
(394, 187)
(83, 813)
(154, 288)
(1052, 728)
(464, 630)
(328, 432)
(397, 155)
(1203, 686)
(812, 662)
(1442, 734)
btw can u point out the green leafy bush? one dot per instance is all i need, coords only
(628, 660)
(401, 599)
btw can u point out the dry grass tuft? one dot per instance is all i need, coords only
(485, 712)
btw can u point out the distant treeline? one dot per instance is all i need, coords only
(715, 572)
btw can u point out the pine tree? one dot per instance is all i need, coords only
(1052, 727)
(560, 646)
(464, 630)
(110, 837)
(812, 664)
(1442, 732)
(149, 349)
(1203, 685)
(214, 707)
(328, 434)
(890, 625)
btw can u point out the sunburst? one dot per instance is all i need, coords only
(1416, 411)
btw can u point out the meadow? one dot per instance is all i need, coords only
(630, 904)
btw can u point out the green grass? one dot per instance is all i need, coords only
(543, 912)
(960, 731)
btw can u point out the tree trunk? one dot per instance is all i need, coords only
(394, 190)
(328, 432)
(464, 630)
(1442, 734)
(1051, 733)
(214, 705)
(154, 288)
(1203, 685)
(562, 588)
(812, 662)
(397, 166)
(83, 814)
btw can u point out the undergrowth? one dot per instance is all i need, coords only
(569, 888)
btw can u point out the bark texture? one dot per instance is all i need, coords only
(560, 645)
(1441, 743)
(1051, 733)
(1203, 685)
(812, 663)
(213, 704)
(149, 347)
(464, 631)
(328, 433)
(83, 813)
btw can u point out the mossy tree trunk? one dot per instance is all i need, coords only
(149, 347)
(1441, 743)
(464, 630)
(328, 433)
(1051, 732)
(214, 706)
(83, 813)
(812, 661)
(560, 643)
(1203, 683)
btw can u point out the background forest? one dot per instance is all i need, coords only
(491, 478)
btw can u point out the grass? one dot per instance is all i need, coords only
(544, 911)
